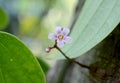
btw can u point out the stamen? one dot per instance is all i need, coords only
(60, 37)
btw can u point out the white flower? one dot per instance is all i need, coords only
(61, 36)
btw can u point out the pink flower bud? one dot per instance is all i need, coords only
(48, 50)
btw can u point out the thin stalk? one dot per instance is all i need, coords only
(72, 60)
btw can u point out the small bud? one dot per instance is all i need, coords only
(48, 49)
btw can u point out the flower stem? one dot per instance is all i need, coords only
(72, 60)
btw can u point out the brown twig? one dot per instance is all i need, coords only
(72, 60)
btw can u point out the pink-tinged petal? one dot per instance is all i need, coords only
(67, 39)
(52, 36)
(60, 44)
(66, 31)
(58, 29)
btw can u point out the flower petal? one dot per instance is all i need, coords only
(52, 36)
(60, 44)
(66, 31)
(58, 29)
(67, 39)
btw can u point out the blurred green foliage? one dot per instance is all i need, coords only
(3, 19)
(33, 20)
(38, 19)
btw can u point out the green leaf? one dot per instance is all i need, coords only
(3, 19)
(97, 19)
(44, 65)
(17, 63)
